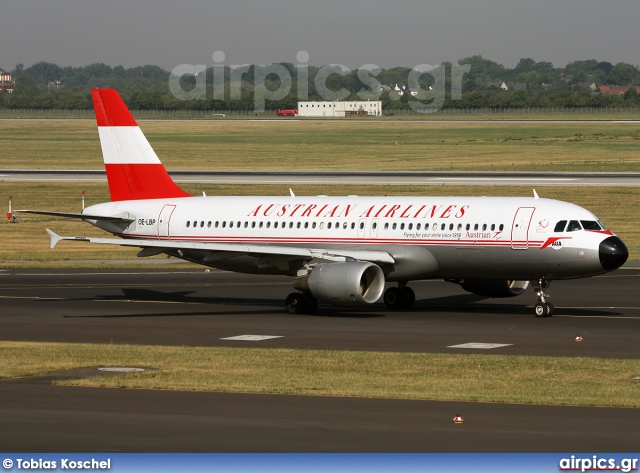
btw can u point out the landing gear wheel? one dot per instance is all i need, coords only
(297, 303)
(407, 297)
(392, 298)
(544, 309)
(399, 298)
(294, 303)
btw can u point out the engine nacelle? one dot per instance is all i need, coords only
(494, 287)
(346, 284)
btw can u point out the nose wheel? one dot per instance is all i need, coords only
(543, 307)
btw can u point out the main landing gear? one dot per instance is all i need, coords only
(401, 297)
(543, 308)
(301, 303)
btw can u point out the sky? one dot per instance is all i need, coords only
(353, 33)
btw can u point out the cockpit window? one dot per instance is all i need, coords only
(590, 225)
(560, 226)
(574, 226)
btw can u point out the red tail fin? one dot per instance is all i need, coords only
(133, 169)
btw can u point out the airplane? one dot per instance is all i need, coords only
(342, 250)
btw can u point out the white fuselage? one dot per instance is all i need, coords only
(464, 237)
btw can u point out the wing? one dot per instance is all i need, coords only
(153, 247)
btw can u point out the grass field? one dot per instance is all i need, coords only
(344, 145)
(483, 378)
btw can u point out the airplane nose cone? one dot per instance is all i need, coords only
(613, 253)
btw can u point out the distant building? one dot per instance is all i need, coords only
(6, 82)
(372, 108)
(54, 84)
(617, 89)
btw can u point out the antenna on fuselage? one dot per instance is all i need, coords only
(291, 192)
(535, 194)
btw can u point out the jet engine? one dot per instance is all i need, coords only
(351, 283)
(494, 287)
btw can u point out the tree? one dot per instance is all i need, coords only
(623, 74)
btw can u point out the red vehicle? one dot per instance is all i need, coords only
(287, 112)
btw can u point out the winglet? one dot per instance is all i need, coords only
(55, 238)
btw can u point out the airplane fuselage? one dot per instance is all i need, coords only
(428, 237)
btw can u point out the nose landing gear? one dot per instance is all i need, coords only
(543, 308)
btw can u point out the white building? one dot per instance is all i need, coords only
(372, 108)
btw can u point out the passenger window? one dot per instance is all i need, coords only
(402, 226)
(344, 225)
(224, 224)
(375, 225)
(361, 225)
(475, 227)
(493, 226)
(501, 227)
(426, 226)
(260, 225)
(353, 225)
(573, 226)
(410, 226)
(418, 227)
(560, 226)
(268, 224)
(329, 226)
(306, 224)
(484, 227)
(246, 224)
(208, 224)
(230, 224)
(253, 224)
(459, 226)
(321, 225)
(386, 226)
(394, 226)
(450, 226)
(188, 224)
(298, 225)
(313, 225)
(468, 227)
(195, 224)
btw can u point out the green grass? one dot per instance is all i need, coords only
(483, 378)
(340, 145)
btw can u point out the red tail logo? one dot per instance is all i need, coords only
(133, 170)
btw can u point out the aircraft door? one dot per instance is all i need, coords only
(163, 221)
(362, 227)
(374, 228)
(520, 228)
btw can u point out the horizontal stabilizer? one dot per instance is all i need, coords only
(114, 219)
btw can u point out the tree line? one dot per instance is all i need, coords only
(531, 84)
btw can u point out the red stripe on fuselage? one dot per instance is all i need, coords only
(110, 108)
(141, 181)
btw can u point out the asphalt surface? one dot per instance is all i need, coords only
(191, 307)
(348, 177)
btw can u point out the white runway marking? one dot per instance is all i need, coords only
(481, 346)
(252, 338)
(121, 370)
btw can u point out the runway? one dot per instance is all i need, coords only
(347, 177)
(191, 307)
